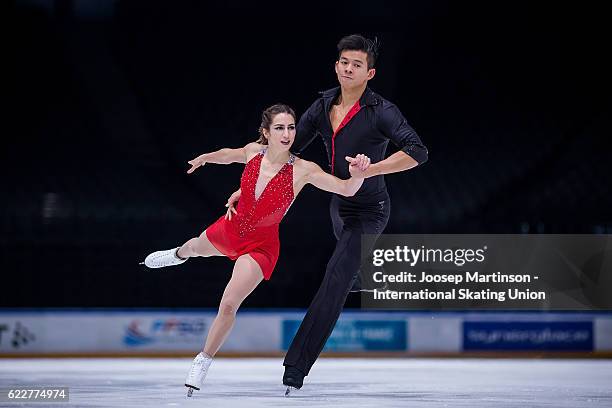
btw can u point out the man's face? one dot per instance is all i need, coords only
(352, 69)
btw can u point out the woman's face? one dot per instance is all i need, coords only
(282, 131)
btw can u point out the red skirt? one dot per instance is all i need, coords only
(262, 244)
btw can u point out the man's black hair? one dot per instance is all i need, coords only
(357, 42)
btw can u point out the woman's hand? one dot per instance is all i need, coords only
(195, 163)
(230, 204)
(358, 165)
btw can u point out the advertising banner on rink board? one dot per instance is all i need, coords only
(480, 272)
(525, 335)
(132, 332)
(352, 334)
(129, 332)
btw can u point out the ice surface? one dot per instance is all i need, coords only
(336, 383)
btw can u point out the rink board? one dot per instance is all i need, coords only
(165, 331)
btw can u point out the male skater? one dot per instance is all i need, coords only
(350, 119)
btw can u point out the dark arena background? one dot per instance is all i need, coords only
(109, 100)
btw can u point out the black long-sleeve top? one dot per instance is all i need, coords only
(368, 132)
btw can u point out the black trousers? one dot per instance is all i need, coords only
(350, 220)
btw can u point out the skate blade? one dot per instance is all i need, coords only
(190, 389)
(288, 391)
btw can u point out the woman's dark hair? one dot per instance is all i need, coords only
(357, 42)
(267, 117)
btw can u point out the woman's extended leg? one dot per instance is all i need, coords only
(199, 246)
(245, 277)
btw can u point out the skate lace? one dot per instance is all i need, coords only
(197, 366)
(159, 259)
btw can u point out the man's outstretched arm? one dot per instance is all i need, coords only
(398, 161)
(413, 152)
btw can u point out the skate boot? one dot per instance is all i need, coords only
(160, 259)
(197, 373)
(293, 379)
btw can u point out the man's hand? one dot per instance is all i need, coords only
(195, 163)
(230, 204)
(358, 165)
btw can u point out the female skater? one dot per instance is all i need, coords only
(271, 180)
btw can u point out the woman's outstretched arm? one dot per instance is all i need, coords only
(325, 181)
(224, 156)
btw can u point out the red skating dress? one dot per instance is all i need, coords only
(253, 229)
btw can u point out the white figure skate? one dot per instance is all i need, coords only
(160, 259)
(197, 373)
